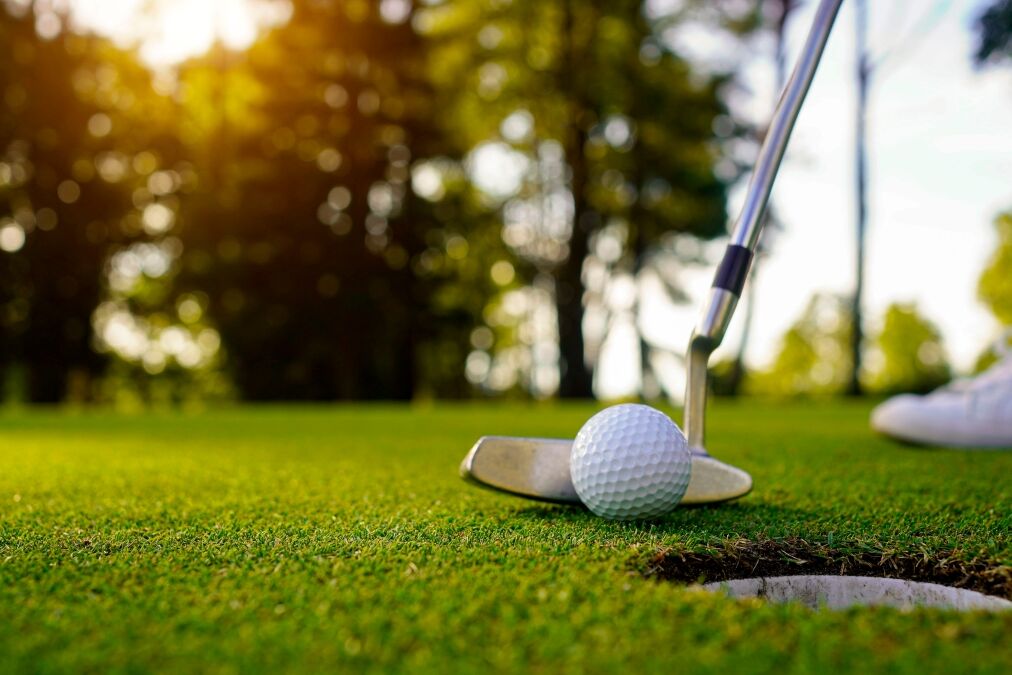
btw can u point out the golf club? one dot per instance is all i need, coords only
(538, 468)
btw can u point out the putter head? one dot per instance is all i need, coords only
(538, 468)
(535, 468)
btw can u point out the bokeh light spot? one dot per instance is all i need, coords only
(12, 237)
(68, 191)
(456, 247)
(157, 219)
(395, 11)
(99, 125)
(502, 272)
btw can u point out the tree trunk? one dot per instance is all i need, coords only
(863, 76)
(47, 382)
(576, 379)
(639, 249)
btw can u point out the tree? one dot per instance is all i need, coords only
(273, 192)
(814, 353)
(65, 190)
(868, 69)
(994, 30)
(630, 119)
(298, 230)
(327, 273)
(912, 357)
(995, 287)
(864, 71)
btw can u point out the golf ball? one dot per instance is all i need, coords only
(630, 461)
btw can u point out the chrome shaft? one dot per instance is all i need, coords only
(733, 270)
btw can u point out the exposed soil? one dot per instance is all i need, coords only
(740, 559)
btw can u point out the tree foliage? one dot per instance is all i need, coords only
(304, 216)
(813, 358)
(995, 287)
(65, 189)
(299, 230)
(910, 351)
(994, 33)
(631, 120)
(814, 354)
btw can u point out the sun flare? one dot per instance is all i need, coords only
(167, 32)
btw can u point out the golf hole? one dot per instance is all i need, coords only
(841, 592)
(835, 577)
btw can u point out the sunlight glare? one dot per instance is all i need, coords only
(167, 32)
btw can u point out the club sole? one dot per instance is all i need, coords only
(538, 468)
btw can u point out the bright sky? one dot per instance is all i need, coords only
(941, 168)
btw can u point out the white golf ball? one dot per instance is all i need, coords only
(630, 461)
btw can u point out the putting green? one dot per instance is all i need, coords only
(310, 538)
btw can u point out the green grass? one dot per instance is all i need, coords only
(340, 539)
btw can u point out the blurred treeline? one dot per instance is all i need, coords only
(376, 200)
(904, 354)
(301, 220)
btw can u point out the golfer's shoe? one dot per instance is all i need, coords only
(969, 413)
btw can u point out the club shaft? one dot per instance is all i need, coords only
(749, 224)
(733, 270)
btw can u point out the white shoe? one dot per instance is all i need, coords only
(976, 412)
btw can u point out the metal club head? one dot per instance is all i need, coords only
(535, 468)
(538, 468)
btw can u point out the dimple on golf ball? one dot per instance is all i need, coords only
(630, 461)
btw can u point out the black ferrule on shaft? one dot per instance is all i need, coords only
(733, 269)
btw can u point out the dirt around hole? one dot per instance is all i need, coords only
(742, 558)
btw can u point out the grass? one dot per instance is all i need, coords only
(340, 539)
